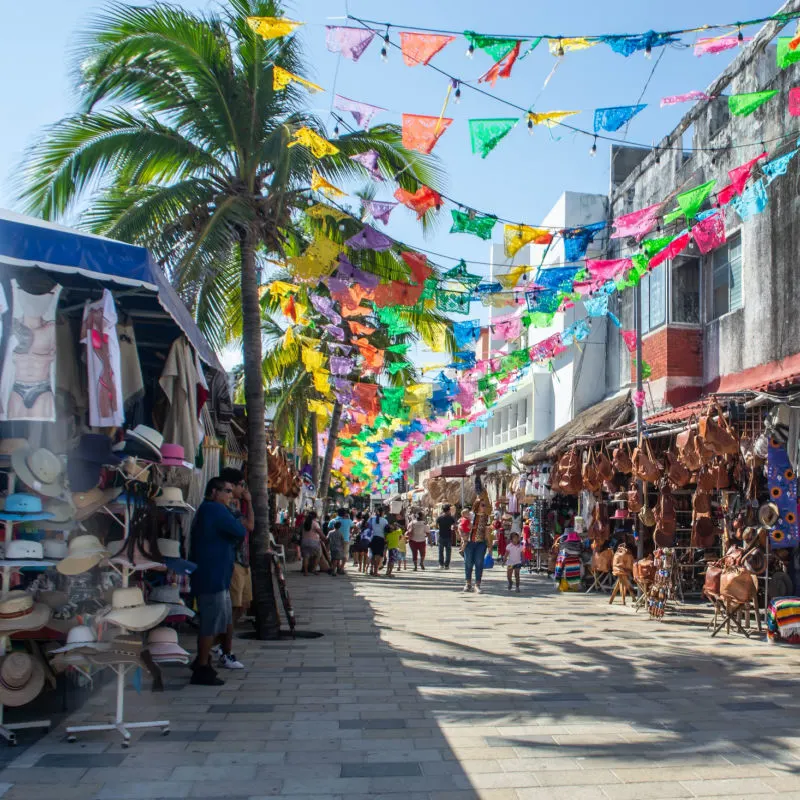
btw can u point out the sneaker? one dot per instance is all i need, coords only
(517, 589)
(422, 566)
(216, 650)
(467, 587)
(228, 661)
(477, 588)
(205, 676)
(509, 587)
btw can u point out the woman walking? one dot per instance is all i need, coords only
(310, 543)
(477, 542)
(417, 539)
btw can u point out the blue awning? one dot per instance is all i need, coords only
(30, 242)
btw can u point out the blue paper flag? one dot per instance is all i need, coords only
(753, 200)
(466, 333)
(777, 166)
(627, 45)
(557, 279)
(577, 240)
(613, 118)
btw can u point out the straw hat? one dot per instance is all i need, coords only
(769, 514)
(171, 595)
(172, 497)
(144, 442)
(163, 642)
(18, 612)
(140, 560)
(40, 470)
(54, 549)
(63, 511)
(128, 610)
(120, 650)
(81, 637)
(89, 502)
(83, 553)
(21, 679)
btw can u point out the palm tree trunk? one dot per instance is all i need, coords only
(266, 607)
(314, 453)
(327, 462)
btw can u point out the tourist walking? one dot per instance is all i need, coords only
(338, 549)
(513, 560)
(418, 539)
(310, 547)
(377, 543)
(345, 521)
(477, 542)
(394, 534)
(242, 509)
(445, 523)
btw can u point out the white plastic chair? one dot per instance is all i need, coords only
(278, 549)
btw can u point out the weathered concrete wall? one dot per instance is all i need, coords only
(767, 327)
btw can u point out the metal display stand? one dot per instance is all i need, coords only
(7, 730)
(120, 725)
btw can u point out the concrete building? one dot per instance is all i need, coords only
(727, 320)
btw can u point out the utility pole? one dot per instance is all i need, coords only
(637, 313)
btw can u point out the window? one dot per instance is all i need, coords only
(685, 290)
(726, 277)
(654, 299)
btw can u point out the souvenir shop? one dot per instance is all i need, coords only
(703, 509)
(114, 413)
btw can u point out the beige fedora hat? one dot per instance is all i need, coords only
(18, 612)
(21, 679)
(128, 610)
(92, 500)
(83, 553)
(81, 637)
(172, 497)
(40, 470)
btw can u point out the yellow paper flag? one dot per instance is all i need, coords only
(320, 211)
(319, 259)
(319, 184)
(282, 288)
(281, 78)
(313, 359)
(560, 46)
(321, 382)
(517, 236)
(511, 278)
(318, 146)
(272, 27)
(549, 118)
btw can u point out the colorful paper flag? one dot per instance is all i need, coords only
(420, 48)
(421, 133)
(495, 46)
(486, 133)
(613, 118)
(369, 160)
(421, 201)
(717, 44)
(550, 118)
(709, 233)
(362, 112)
(470, 222)
(691, 201)
(786, 55)
(742, 105)
(318, 146)
(281, 78)
(684, 98)
(379, 209)
(517, 236)
(638, 223)
(627, 45)
(319, 184)
(272, 27)
(350, 42)
(558, 47)
(502, 69)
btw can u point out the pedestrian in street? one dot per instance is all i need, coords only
(346, 526)
(445, 524)
(364, 541)
(513, 560)
(242, 508)
(464, 527)
(402, 551)
(478, 541)
(377, 543)
(499, 535)
(215, 535)
(393, 535)
(417, 540)
(337, 548)
(310, 543)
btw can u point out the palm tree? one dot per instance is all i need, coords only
(181, 143)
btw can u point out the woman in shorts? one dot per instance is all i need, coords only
(310, 547)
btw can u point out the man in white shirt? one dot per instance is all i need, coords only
(377, 545)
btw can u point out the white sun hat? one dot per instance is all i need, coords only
(128, 610)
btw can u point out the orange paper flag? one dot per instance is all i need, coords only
(360, 329)
(420, 201)
(421, 133)
(418, 264)
(420, 48)
(502, 69)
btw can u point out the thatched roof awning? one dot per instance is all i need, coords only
(599, 418)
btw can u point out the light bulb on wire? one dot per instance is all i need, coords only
(470, 51)
(385, 48)
(648, 52)
(593, 148)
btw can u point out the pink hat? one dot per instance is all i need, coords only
(573, 537)
(172, 455)
(621, 513)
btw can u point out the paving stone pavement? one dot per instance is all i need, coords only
(418, 691)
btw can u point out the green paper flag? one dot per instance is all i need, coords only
(460, 274)
(455, 302)
(399, 348)
(486, 133)
(744, 104)
(690, 202)
(653, 246)
(647, 370)
(393, 367)
(495, 46)
(785, 56)
(469, 222)
(538, 319)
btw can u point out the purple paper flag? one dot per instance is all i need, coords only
(350, 42)
(369, 239)
(346, 271)
(335, 331)
(343, 390)
(336, 286)
(341, 366)
(378, 209)
(342, 348)
(362, 112)
(324, 305)
(369, 160)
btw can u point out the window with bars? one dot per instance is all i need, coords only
(726, 277)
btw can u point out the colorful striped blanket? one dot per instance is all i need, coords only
(783, 617)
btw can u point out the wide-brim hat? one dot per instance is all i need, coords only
(18, 612)
(173, 455)
(21, 679)
(170, 553)
(39, 470)
(90, 502)
(81, 637)
(621, 513)
(769, 514)
(170, 596)
(166, 648)
(86, 461)
(172, 497)
(149, 438)
(128, 610)
(23, 507)
(83, 553)
(140, 560)
(120, 650)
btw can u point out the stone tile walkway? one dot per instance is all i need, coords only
(419, 692)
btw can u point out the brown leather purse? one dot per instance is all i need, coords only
(677, 474)
(701, 502)
(599, 529)
(622, 563)
(590, 474)
(569, 471)
(664, 535)
(602, 560)
(704, 532)
(736, 585)
(635, 501)
(718, 434)
(605, 468)
(706, 480)
(645, 467)
(719, 471)
(711, 583)
(687, 450)
(621, 457)
(705, 454)
(644, 571)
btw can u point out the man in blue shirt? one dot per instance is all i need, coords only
(215, 535)
(343, 517)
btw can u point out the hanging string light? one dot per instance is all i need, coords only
(385, 48)
(593, 148)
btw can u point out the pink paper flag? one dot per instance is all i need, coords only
(629, 337)
(794, 102)
(717, 44)
(637, 224)
(683, 98)
(369, 160)
(379, 209)
(509, 329)
(362, 112)
(350, 42)
(677, 245)
(739, 177)
(709, 233)
(607, 270)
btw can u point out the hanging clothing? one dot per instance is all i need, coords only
(99, 334)
(181, 383)
(130, 368)
(27, 386)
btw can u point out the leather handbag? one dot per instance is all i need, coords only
(645, 467)
(687, 450)
(591, 476)
(569, 470)
(622, 564)
(718, 434)
(704, 532)
(635, 502)
(599, 529)
(604, 466)
(621, 458)
(736, 585)
(706, 480)
(677, 473)
(701, 502)
(602, 560)
(644, 571)
(713, 578)
(705, 454)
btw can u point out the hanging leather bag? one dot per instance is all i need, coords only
(591, 476)
(602, 560)
(645, 467)
(719, 471)
(687, 450)
(604, 466)
(635, 501)
(622, 564)
(704, 532)
(664, 535)
(705, 454)
(621, 458)
(706, 480)
(644, 571)
(570, 479)
(736, 585)
(599, 529)
(718, 434)
(713, 578)
(701, 502)
(677, 474)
